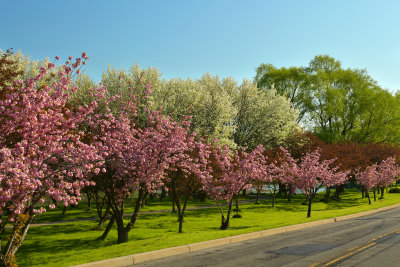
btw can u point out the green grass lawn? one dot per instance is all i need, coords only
(74, 243)
(82, 211)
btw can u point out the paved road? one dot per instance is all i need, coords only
(372, 240)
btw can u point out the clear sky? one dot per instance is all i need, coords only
(191, 37)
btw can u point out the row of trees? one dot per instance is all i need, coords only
(335, 103)
(236, 114)
(59, 136)
(378, 176)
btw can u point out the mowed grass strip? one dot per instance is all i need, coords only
(81, 211)
(74, 243)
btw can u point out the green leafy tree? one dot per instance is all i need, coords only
(289, 82)
(26, 67)
(209, 101)
(347, 104)
(133, 85)
(263, 117)
(177, 97)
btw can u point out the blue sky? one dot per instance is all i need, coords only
(225, 38)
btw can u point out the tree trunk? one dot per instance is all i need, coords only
(258, 195)
(173, 205)
(237, 205)
(64, 210)
(282, 189)
(181, 213)
(122, 231)
(143, 202)
(89, 201)
(21, 239)
(338, 191)
(135, 215)
(224, 224)
(382, 193)
(163, 193)
(108, 228)
(16, 238)
(273, 199)
(122, 235)
(327, 193)
(290, 193)
(225, 221)
(180, 223)
(244, 192)
(374, 194)
(99, 226)
(102, 217)
(310, 199)
(203, 197)
(118, 212)
(369, 198)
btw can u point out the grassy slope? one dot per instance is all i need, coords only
(73, 243)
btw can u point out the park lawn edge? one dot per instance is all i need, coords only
(189, 248)
(323, 215)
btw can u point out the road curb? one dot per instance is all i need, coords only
(351, 216)
(158, 254)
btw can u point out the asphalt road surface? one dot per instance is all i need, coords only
(372, 240)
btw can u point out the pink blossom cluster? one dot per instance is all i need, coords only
(137, 158)
(232, 171)
(191, 158)
(378, 175)
(42, 155)
(310, 173)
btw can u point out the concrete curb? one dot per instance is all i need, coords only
(162, 253)
(351, 216)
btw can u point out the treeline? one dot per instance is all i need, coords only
(335, 103)
(236, 114)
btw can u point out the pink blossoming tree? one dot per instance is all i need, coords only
(388, 171)
(187, 168)
(231, 172)
(311, 174)
(368, 178)
(274, 178)
(270, 175)
(137, 158)
(378, 176)
(42, 156)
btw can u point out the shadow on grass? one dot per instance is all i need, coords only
(342, 204)
(77, 239)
